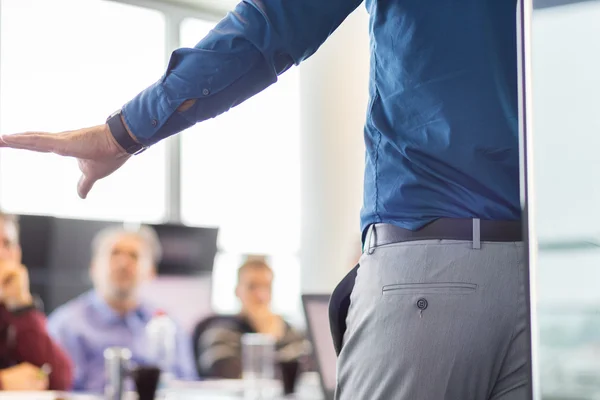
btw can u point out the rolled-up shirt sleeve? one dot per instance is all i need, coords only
(241, 56)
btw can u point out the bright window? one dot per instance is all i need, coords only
(241, 172)
(286, 287)
(66, 70)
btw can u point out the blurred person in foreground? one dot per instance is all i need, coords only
(218, 345)
(113, 313)
(29, 358)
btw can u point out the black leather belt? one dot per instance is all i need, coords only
(475, 230)
(447, 229)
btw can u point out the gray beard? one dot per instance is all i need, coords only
(121, 294)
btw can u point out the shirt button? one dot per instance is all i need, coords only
(205, 92)
(154, 122)
(422, 304)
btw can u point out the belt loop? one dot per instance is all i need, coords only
(366, 239)
(476, 233)
(371, 239)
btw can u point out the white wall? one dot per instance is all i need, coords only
(334, 102)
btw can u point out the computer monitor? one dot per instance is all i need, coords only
(186, 250)
(57, 252)
(62, 242)
(316, 312)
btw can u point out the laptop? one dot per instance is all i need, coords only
(316, 312)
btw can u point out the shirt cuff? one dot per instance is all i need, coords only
(151, 116)
(192, 74)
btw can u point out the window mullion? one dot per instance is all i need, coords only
(173, 144)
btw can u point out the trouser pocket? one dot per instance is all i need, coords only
(429, 288)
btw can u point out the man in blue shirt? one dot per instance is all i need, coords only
(113, 314)
(438, 307)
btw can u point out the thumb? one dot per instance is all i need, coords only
(85, 185)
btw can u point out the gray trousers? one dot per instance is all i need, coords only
(437, 320)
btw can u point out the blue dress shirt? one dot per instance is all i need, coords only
(86, 326)
(441, 132)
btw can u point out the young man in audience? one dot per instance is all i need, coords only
(29, 359)
(113, 313)
(218, 346)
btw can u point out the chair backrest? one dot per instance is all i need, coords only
(197, 333)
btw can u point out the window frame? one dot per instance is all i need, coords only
(174, 15)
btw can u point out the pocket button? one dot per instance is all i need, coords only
(422, 304)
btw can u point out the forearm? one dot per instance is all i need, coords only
(243, 55)
(34, 345)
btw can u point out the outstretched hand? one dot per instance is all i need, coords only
(96, 150)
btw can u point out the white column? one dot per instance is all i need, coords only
(334, 102)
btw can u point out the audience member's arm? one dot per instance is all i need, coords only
(34, 345)
(293, 346)
(58, 328)
(28, 339)
(185, 368)
(23, 376)
(220, 352)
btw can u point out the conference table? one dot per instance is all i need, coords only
(308, 388)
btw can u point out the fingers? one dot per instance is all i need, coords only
(40, 142)
(24, 376)
(40, 383)
(38, 379)
(85, 185)
(43, 142)
(32, 377)
(42, 380)
(3, 143)
(12, 280)
(8, 277)
(8, 272)
(87, 143)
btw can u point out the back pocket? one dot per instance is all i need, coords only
(429, 288)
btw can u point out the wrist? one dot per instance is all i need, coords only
(106, 130)
(121, 136)
(131, 135)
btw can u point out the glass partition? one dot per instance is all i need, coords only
(565, 84)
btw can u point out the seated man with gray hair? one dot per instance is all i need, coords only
(113, 313)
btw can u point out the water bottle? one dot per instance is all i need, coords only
(161, 343)
(116, 365)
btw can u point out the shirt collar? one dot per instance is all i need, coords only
(107, 314)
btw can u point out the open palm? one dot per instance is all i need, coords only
(96, 150)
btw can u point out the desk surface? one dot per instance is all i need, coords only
(185, 394)
(308, 389)
(48, 395)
